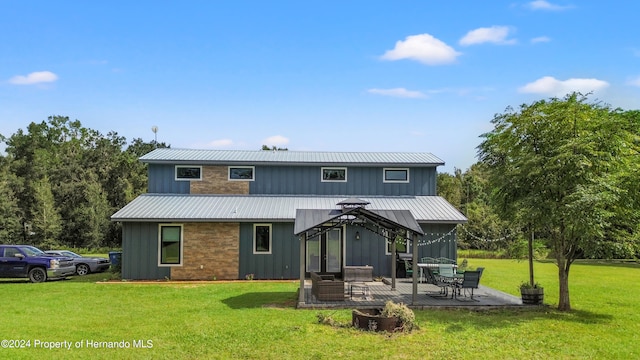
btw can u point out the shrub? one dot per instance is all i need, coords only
(403, 313)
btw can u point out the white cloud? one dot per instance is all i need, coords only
(545, 5)
(276, 140)
(398, 92)
(34, 78)
(551, 86)
(540, 39)
(423, 48)
(221, 143)
(494, 34)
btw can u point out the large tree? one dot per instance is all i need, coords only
(63, 181)
(11, 229)
(562, 167)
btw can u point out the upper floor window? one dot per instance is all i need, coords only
(242, 173)
(188, 172)
(396, 175)
(334, 174)
(262, 239)
(170, 245)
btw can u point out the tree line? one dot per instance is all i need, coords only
(60, 182)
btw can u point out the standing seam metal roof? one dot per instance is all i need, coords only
(239, 208)
(395, 159)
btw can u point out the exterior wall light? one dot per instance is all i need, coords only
(357, 235)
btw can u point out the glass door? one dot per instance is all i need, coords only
(313, 255)
(333, 250)
(324, 253)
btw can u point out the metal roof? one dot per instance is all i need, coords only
(245, 208)
(306, 219)
(258, 157)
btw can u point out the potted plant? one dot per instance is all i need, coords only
(531, 294)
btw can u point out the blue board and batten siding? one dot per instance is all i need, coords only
(140, 252)
(162, 180)
(306, 180)
(283, 262)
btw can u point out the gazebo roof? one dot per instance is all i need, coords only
(396, 220)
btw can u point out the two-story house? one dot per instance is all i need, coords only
(215, 214)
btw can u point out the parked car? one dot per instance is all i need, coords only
(84, 265)
(24, 261)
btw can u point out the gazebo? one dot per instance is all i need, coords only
(391, 224)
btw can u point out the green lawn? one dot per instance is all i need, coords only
(256, 320)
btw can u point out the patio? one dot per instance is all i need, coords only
(380, 293)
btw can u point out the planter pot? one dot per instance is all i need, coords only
(532, 296)
(371, 320)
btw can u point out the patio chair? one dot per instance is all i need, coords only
(428, 260)
(470, 281)
(446, 271)
(430, 278)
(444, 260)
(408, 268)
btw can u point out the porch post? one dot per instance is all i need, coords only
(303, 245)
(393, 264)
(414, 266)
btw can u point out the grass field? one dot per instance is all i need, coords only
(256, 320)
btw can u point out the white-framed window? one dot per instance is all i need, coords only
(334, 174)
(170, 243)
(188, 173)
(242, 173)
(262, 238)
(395, 175)
(403, 246)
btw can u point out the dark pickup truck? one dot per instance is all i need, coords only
(22, 261)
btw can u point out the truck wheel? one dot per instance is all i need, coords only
(82, 269)
(37, 275)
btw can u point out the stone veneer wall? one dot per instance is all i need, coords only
(215, 247)
(215, 180)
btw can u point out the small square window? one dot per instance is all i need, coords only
(241, 173)
(402, 247)
(170, 245)
(187, 173)
(334, 174)
(262, 239)
(396, 175)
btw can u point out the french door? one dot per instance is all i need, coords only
(324, 253)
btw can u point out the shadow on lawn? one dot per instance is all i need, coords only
(462, 320)
(261, 299)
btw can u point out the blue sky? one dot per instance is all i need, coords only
(393, 76)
